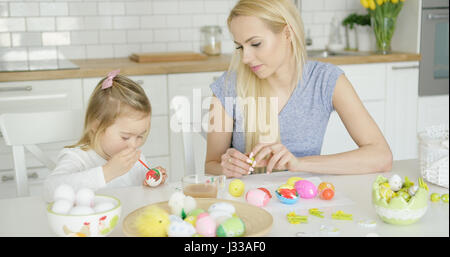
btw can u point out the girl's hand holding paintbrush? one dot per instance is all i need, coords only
(120, 163)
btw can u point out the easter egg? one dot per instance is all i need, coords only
(435, 197)
(306, 189)
(180, 229)
(291, 181)
(232, 227)
(386, 192)
(81, 210)
(62, 206)
(236, 187)
(105, 206)
(325, 185)
(195, 212)
(444, 198)
(286, 200)
(65, 192)
(153, 177)
(205, 225)
(395, 182)
(326, 194)
(222, 206)
(257, 197)
(220, 216)
(191, 220)
(404, 195)
(265, 190)
(85, 197)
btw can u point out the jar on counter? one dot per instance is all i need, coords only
(211, 37)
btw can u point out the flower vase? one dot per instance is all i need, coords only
(383, 28)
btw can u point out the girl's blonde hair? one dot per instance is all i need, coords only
(105, 105)
(276, 14)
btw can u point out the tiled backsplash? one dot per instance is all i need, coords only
(83, 29)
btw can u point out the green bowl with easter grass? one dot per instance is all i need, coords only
(399, 211)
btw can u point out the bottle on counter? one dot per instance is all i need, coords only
(211, 37)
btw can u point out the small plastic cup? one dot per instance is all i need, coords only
(203, 186)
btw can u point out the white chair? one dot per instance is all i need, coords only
(25, 130)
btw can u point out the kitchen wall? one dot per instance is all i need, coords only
(83, 29)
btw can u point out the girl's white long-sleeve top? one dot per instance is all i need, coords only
(84, 169)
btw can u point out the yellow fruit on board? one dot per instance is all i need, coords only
(291, 181)
(236, 187)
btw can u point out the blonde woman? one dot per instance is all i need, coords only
(284, 130)
(117, 124)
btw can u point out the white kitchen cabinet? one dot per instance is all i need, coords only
(401, 108)
(36, 96)
(369, 82)
(389, 92)
(195, 88)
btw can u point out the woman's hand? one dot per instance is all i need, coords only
(273, 156)
(235, 163)
(121, 163)
(163, 174)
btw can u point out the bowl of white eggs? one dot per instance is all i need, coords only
(82, 213)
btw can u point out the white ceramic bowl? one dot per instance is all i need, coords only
(97, 224)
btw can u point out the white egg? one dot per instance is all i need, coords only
(85, 197)
(62, 206)
(175, 218)
(105, 206)
(220, 216)
(81, 210)
(222, 206)
(412, 190)
(65, 192)
(180, 229)
(395, 182)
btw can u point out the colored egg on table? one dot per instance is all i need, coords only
(326, 191)
(195, 212)
(291, 181)
(205, 225)
(232, 227)
(222, 206)
(236, 187)
(444, 198)
(306, 189)
(285, 200)
(257, 197)
(435, 197)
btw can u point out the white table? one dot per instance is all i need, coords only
(27, 216)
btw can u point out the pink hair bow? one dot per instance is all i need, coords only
(108, 81)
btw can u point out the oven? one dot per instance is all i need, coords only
(434, 44)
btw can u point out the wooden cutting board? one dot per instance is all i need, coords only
(167, 57)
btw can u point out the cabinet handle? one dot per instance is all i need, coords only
(16, 89)
(33, 175)
(405, 67)
(140, 82)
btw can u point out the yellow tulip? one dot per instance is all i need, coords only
(380, 2)
(372, 5)
(394, 1)
(365, 3)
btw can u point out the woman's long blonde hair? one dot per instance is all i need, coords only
(105, 105)
(276, 14)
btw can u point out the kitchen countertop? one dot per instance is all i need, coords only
(100, 67)
(26, 216)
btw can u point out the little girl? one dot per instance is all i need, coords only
(116, 125)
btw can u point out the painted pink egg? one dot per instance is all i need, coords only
(306, 189)
(257, 197)
(205, 225)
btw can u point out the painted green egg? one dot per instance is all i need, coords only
(232, 227)
(195, 212)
